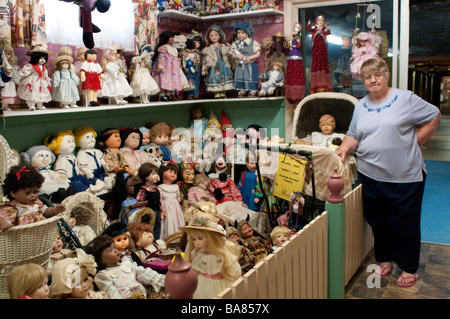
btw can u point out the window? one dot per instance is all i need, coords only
(117, 24)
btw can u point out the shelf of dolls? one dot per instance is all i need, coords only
(178, 15)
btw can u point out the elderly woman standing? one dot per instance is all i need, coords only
(388, 129)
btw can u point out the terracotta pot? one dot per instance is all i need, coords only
(335, 185)
(181, 279)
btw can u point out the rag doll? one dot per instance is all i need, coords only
(320, 70)
(159, 140)
(71, 278)
(91, 160)
(115, 85)
(148, 192)
(63, 145)
(58, 252)
(295, 76)
(109, 142)
(211, 255)
(131, 142)
(28, 281)
(274, 79)
(256, 243)
(365, 47)
(193, 63)
(125, 203)
(247, 184)
(80, 217)
(167, 70)
(120, 279)
(149, 250)
(327, 124)
(35, 83)
(246, 74)
(216, 65)
(56, 186)
(142, 82)
(121, 237)
(170, 200)
(200, 190)
(65, 82)
(90, 75)
(9, 92)
(21, 186)
(279, 235)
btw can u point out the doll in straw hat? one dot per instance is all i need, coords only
(211, 255)
(65, 82)
(35, 84)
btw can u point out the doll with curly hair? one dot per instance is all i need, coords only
(21, 187)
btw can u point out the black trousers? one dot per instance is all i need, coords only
(393, 211)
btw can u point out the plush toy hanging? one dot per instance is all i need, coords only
(86, 7)
(320, 70)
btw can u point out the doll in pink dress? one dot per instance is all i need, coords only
(320, 71)
(166, 70)
(365, 47)
(21, 186)
(200, 190)
(35, 83)
(131, 142)
(170, 200)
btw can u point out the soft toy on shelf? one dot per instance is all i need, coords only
(365, 47)
(91, 160)
(65, 82)
(246, 74)
(35, 83)
(9, 92)
(295, 76)
(56, 186)
(116, 85)
(90, 74)
(275, 79)
(320, 69)
(216, 65)
(167, 69)
(63, 144)
(142, 83)
(131, 142)
(109, 142)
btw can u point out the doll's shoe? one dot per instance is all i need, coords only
(65, 106)
(223, 95)
(217, 96)
(241, 93)
(32, 108)
(251, 94)
(40, 106)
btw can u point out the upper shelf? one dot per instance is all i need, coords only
(178, 15)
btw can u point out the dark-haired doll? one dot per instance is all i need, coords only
(35, 83)
(21, 186)
(131, 142)
(90, 74)
(193, 63)
(109, 142)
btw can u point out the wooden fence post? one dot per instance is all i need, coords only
(335, 206)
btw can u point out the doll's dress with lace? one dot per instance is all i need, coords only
(143, 83)
(210, 279)
(170, 203)
(22, 214)
(116, 83)
(34, 84)
(121, 281)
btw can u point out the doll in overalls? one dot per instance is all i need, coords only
(246, 73)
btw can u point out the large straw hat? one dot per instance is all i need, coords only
(39, 48)
(202, 221)
(67, 58)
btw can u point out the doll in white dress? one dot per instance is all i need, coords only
(212, 256)
(9, 92)
(170, 200)
(142, 82)
(116, 85)
(35, 83)
(65, 82)
(121, 278)
(90, 159)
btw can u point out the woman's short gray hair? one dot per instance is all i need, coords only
(372, 66)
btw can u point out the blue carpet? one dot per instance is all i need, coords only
(435, 222)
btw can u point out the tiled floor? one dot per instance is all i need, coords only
(434, 269)
(433, 283)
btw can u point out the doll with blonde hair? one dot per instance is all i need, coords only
(9, 92)
(200, 190)
(142, 82)
(71, 277)
(28, 281)
(279, 235)
(211, 255)
(65, 82)
(116, 85)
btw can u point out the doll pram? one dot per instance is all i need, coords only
(306, 120)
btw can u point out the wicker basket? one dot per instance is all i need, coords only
(5, 163)
(25, 244)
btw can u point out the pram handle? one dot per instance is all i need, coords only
(287, 150)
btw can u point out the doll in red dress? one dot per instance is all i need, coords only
(90, 74)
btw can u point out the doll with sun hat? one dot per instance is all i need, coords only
(35, 83)
(211, 255)
(65, 82)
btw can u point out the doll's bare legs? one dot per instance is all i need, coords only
(31, 105)
(144, 99)
(92, 97)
